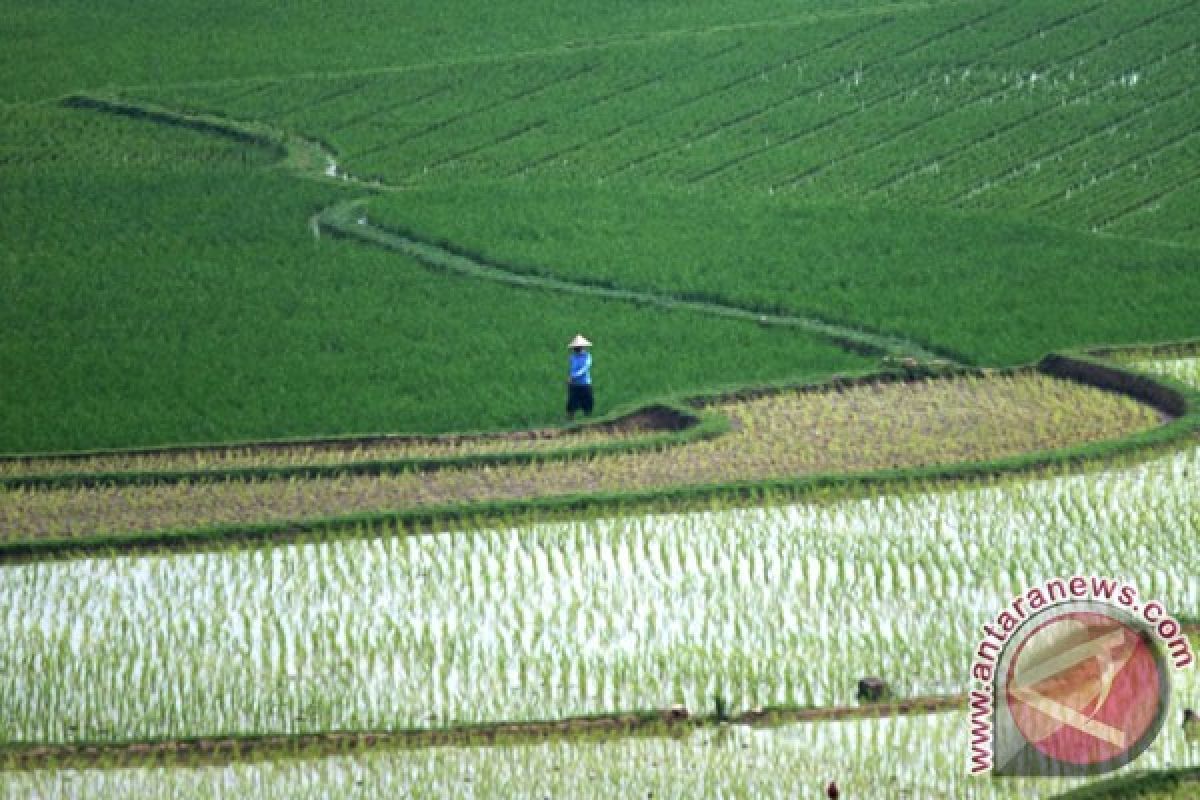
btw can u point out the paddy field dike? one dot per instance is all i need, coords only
(895, 312)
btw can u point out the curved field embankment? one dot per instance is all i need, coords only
(880, 428)
(776, 436)
(653, 426)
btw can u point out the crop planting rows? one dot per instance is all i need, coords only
(779, 605)
(903, 757)
(325, 611)
(1171, 130)
(779, 435)
(584, 617)
(1000, 106)
(1068, 95)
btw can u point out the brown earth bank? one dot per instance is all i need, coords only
(675, 721)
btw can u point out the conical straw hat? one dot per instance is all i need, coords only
(579, 341)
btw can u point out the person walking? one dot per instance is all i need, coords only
(579, 378)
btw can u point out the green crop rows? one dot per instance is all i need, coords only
(1018, 114)
(937, 108)
(286, 509)
(973, 177)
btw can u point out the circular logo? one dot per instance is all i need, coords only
(1085, 689)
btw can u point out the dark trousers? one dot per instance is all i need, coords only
(579, 398)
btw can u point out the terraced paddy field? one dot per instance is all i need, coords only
(824, 251)
(902, 757)
(776, 436)
(786, 606)
(782, 607)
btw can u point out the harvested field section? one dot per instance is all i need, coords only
(347, 451)
(871, 427)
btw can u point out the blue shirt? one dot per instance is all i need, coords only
(581, 368)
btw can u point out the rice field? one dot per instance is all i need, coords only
(775, 436)
(322, 453)
(770, 606)
(900, 757)
(721, 612)
(1184, 370)
(978, 177)
(892, 168)
(288, 244)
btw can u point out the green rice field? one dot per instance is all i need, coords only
(971, 179)
(895, 316)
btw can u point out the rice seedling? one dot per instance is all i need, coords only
(766, 606)
(899, 757)
(777, 435)
(1185, 370)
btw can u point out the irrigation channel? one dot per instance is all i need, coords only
(741, 631)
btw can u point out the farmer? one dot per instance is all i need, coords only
(579, 378)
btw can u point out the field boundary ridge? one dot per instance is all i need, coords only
(317, 161)
(1178, 402)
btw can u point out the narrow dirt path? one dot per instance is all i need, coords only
(217, 750)
(345, 219)
(312, 160)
